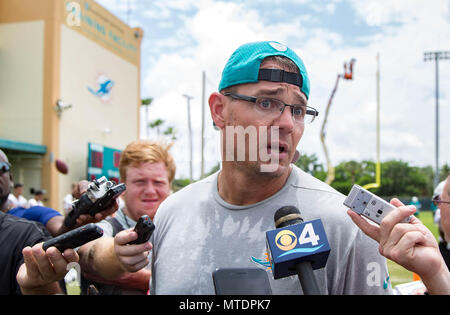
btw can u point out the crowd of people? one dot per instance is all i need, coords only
(17, 200)
(220, 221)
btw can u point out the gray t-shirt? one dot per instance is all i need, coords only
(197, 232)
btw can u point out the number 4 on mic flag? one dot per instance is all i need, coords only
(296, 243)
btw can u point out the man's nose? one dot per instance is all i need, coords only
(150, 188)
(286, 121)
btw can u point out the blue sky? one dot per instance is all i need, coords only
(185, 37)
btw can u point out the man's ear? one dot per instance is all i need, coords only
(216, 106)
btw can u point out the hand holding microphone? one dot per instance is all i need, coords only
(297, 247)
(132, 246)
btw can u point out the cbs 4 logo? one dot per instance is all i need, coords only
(287, 240)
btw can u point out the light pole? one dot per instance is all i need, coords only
(188, 98)
(202, 167)
(378, 164)
(436, 56)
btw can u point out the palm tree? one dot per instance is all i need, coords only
(156, 124)
(146, 102)
(171, 131)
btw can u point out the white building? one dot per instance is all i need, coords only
(69, 77)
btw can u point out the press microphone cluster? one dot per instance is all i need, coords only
(297, 247)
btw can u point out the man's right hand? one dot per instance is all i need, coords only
(131, 257)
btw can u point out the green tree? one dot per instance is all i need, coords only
(368, 173)
(310, 164)
(444, 172)
(171, 131)
(146, 102)
(180, 183)
(346, 174)
(400, 179)
(156, 124)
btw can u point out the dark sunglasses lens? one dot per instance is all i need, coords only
(4, 167)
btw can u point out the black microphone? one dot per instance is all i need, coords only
(289, 248)
(288, 215)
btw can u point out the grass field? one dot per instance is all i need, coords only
(397, 273)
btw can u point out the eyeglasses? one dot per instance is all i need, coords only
(436, 200)
(273, 108)
(4, 167)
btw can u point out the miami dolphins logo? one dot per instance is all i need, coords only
(278, 46)
(264, 263)
(103, 88)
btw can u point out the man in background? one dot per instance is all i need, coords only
(69, 198)
(17, 234)
(147, 169)
(38, 199)
(441, 199)
(16, 198)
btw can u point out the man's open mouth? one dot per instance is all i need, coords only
(280, 148)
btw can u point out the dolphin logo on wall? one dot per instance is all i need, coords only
(103, 88)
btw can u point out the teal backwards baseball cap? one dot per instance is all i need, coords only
(243, 66)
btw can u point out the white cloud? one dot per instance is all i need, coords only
(211, 30)
(218, 29)
(384, 12)
(407, 91)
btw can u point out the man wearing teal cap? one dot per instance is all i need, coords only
(244, 65)
(221, 221)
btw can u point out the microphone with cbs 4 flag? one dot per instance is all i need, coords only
(297, 247)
